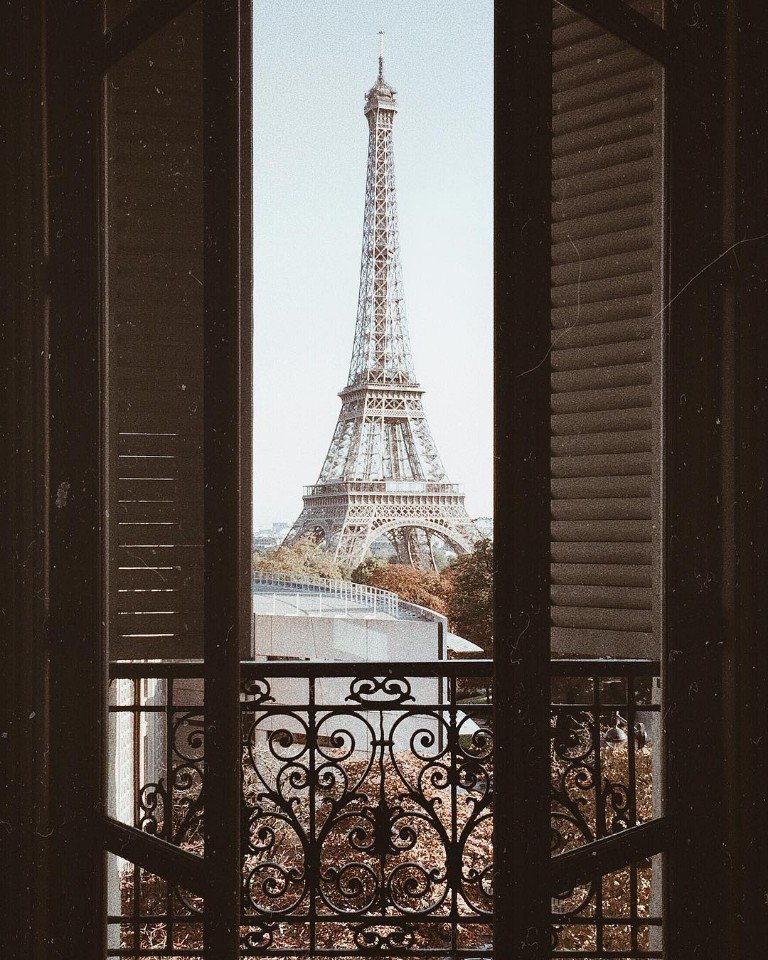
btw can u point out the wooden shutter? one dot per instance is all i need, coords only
(606, 342)
(154, 290)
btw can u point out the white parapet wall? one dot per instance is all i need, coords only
(342, 638)
(346, 639)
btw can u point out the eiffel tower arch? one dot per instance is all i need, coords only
(382, 475)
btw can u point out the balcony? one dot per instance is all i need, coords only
(367, 806)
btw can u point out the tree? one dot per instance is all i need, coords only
(365, 570)
(469, 595)
(413, 586)
(303, 558)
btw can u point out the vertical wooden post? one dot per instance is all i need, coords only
(75, 628)
(521, 504)
(224, 621)
(698, 434)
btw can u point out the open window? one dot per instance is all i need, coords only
(629, 406)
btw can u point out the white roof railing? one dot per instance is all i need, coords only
(380, 601)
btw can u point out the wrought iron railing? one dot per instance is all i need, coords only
(367, 806)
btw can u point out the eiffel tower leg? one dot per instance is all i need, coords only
(423, 555)
(413, 547)
(400, 544)
(351, 546)
(430, 544)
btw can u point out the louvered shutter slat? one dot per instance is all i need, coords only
(601, 574)
(607, 508)
(154, 266)
(605, 342)
(565, 488)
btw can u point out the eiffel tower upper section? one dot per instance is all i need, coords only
(382, 432)
(382, 350)
(382, 475)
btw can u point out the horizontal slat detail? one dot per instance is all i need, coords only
(600, 531)
(154, 260)
(604, 597)
(607, 465)
(632, 419)
(151, 598)
(627, 80)
(571, 31)
(611, 245)
(600, 355)
(592, 49)
(615, 64)
(596, 444)
(597, 487)
(588, 401)
(574, 229)
(579, 292)
(151, 625)
(609, 508)
(576, 641)
(594, 138)
(605, 320)
(605, 327)
(597, 553)
(165, 574)
(595, 53)
(598, 574)
(591, 191)
(592, 618)
(622, 375)
(582, 270)
(600, 157)
(616, 104)
(162, 510)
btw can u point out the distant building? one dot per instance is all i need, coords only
(269, 538)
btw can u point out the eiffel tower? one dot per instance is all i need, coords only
(382, 475)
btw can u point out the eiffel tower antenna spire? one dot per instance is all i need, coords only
(382, 475)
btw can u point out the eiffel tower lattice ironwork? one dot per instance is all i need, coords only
(382, 475)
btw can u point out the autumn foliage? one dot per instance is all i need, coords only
(463, 591)
(468, 589)
(413, 586)
(303, 558)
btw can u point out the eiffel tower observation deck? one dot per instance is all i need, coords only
(382, 475)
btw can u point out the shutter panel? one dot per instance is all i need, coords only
(154, 268)
(606, 332)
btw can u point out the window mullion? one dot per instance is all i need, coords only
(523, 85)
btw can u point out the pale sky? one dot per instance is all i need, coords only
(313, 63)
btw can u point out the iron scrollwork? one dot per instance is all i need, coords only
(369, 817)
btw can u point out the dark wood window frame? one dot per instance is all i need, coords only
(78, 54)
(690, 831)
